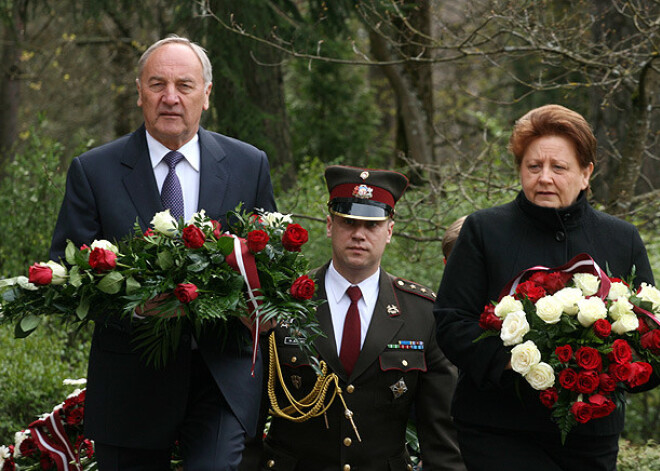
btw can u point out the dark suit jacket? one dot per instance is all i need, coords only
(402, 312)
(108, 189)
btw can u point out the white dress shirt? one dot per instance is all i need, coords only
(339, 302)
(187, 170)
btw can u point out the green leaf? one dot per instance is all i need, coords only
(70, 253)
(74, 277)
(83, 308)
(111, 283)
(132, 285)
(26, 326)
(165, 260)
(226, 245)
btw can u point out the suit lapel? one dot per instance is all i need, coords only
(326, 346)
(140, 182)
(214, 175)
(382, 328)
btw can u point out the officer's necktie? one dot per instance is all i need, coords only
(171, 195)
(350, 341)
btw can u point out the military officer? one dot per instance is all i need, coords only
(379, 341)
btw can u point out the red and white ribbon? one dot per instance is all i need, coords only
(52, 439)
(242, 260)
(582, 263)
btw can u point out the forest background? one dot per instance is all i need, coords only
(426, 87)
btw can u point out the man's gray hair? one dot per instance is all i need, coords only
(207, 70)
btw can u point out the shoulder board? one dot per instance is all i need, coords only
(408, 286)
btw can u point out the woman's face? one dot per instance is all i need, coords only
(550, 173)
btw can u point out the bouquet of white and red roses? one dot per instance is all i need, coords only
(197, 273)
(578, 337)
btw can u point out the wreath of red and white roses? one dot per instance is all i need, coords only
(198, 274)
(577, 336)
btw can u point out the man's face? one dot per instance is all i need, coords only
(172, 94)
(357, 245)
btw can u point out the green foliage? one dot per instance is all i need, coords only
(31, 375)
(31, 191)
(642, 457)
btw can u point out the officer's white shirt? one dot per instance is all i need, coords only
(339, 302)
(187, 170)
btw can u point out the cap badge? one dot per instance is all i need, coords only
(363, 192)
(364, 175)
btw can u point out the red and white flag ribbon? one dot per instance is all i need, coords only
(242, 260)
(52, 439)
(582, 263)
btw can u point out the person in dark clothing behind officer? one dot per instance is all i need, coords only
(384, 352)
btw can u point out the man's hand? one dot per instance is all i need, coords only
(153, 308)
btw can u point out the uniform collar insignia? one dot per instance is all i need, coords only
(392, 310)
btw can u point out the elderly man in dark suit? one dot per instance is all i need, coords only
(205, 396)
(379, 342)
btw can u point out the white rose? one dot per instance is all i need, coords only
(618, 290)
(198, 216)
(514, 328)
(5, 454)
(276, 219)
(74, 382)
(104, 244)
(620, 307)
(587, 282)
(590, 310)
(507, 305)
(164, 223)
(541, 376)
(21, 281)
(59, 273)
(651, 294)
(549, 309)
(19, 437)
(625, 323)
(569, 298)
(524, 356)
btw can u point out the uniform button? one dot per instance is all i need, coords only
(347, 441)
(294, 359)
(404, 363)
(350, 388)
(270, 463)
(560, 236)
(347, 467)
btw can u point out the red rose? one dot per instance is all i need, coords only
(643, 327)
(85, 446)
(193, 237)
(531, 290)
(567, 378)
(488, 320)
(606, 383)
(549, 397)
(582, 412)
(601, 406)
(294, 237)
(651, 340)
(216, 228)
(40, 274)
(589, 358)
(564, 353)
(641, 373)
(102, 259)
(602, 328)
(75, 416)
(551, 282)
(28, 447)
(303, 288)
(185, 292)
(257, 240)
(587, 382)
(621, 352)
(149, 233)
(621, 372)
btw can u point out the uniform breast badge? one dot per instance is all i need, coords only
(296, 381)
(399, 388)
